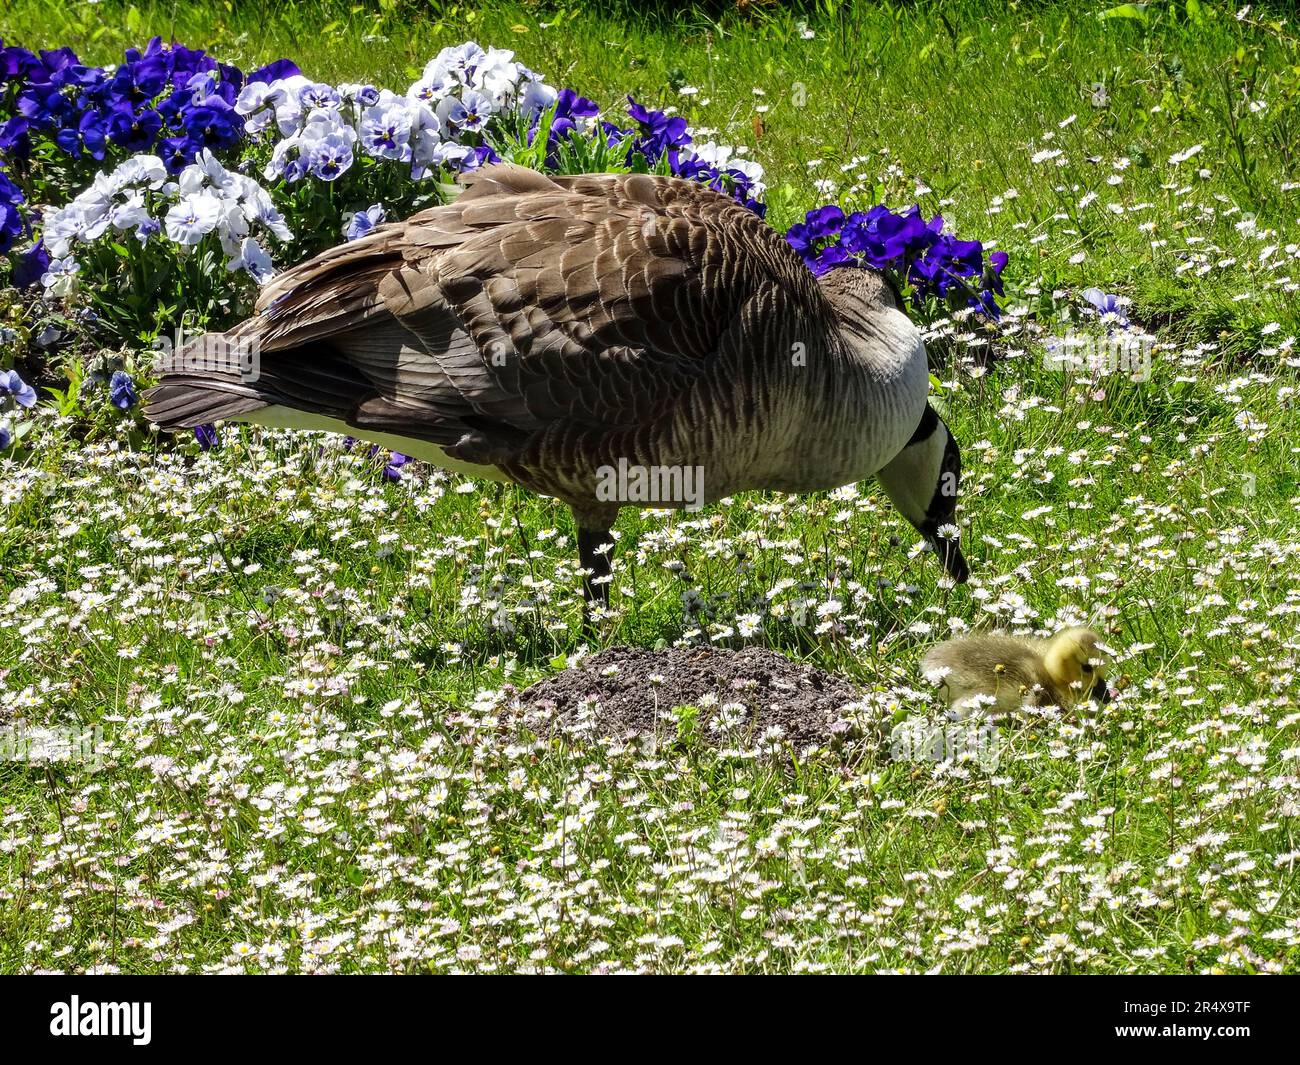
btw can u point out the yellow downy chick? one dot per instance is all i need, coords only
(1015, 670)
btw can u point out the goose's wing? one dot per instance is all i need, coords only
(594, 301)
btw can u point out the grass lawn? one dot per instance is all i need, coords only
(298, 666)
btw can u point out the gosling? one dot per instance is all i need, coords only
(1015, 671)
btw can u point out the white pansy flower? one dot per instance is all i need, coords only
(252, 258)
(195, 216)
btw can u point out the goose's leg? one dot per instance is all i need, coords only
(597, 563)
(523, 538)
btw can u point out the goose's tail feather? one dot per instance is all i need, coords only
(183, 401)
(212, 377)
(222, 375)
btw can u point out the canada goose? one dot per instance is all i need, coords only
(549, 330)
(1013, 670)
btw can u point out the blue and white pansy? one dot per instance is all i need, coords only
(168, 109)
(439, 122)
(138, 197)
(302, 134)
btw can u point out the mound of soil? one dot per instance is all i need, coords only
(626, 693)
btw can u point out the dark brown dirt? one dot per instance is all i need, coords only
(628, 693)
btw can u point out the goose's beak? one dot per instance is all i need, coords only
(1100, 691)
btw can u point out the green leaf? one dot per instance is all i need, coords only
(1133, 11)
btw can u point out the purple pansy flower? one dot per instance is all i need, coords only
(362, 222)
(121, 390)
(1107, 306)
(15, 387)
(393, 467)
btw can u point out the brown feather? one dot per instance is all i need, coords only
(551, 325)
